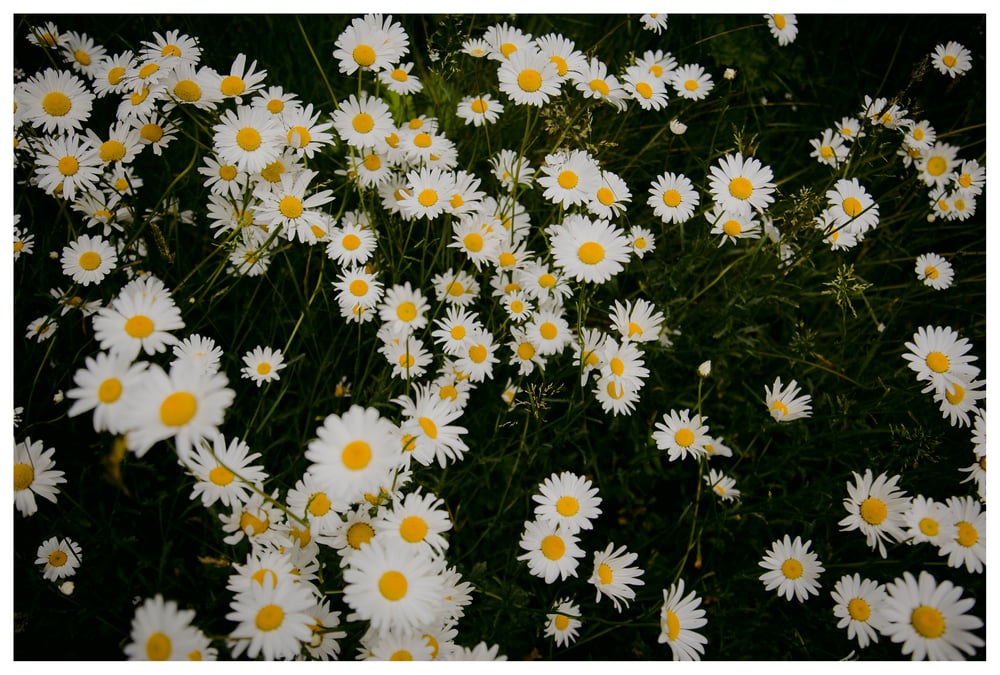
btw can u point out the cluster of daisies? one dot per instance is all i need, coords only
(356, 497)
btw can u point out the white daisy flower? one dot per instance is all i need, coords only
(224, 472)
(964, 540)
(262, 364)
(60, 558)
(673, 198)
(792, 569)
(877, 508)
(563, 622)
(614, 575)
(680, 617)
(567, 500)
(272, 621)
(859, 606)
(551, 552)
(740, 185)
(784, 402)
(680, 435)
(161, 631)
(931, 620)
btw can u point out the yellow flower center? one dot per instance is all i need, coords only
(568, 180)
(691, 85)
(968, 535)
(449, 392)
(429, 427)
(290, 206)
(115, 75)
(553, 547)
(151, 132)
(413, 529)
(606, 196)
(148, 69)
(605, 574)
(158, 647)
(407, 311)
(270, 617)
(673, 625)
(109, 390)
(478, 353)
(780, 406)
(529, 80)
(949, 60)
(852, 207)
(929, 527)
(927, 621)
(547, 280)
(732, 228)
(299, 136)
(473, 241)
(508, 48)
(671, 198)
(617, 366)
(392, 585)
(740, 187)
(859, 609)
(187, 90)
(256, 525)
(600, 86)
(955, 397)
(590, 253)
(427, 198)
(423, 140)
(90, 260)
(358, 534)
(263, 368)
(363, 55)
(363, 123)
(68, 165)
(938, 362)
(232, 85)
(221, 476)
(248, 139)
(548, 330)
(356, 455)
(826, 152)
(779, 21)
(937, 165)
(874, 510)
(644, 89)
(684, 438)
(112, 151)
(359, 287)
(401, 655)
(56, 103)
(567, 506)
(561, 622)
(791, 568)
(24, 476)
(178, 408)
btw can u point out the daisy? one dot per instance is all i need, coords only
(617, 396)
(563, 623)
(323, 643)
(104, 385)
(673, 198)
(541, 283)
(732, 225)
(568, 501)
(223, 179)
(263, 567)
(87, 260)
(611, 196)
(613, 575)
(680, 435)
(242, 80)
(155, 131)
(643, 241)
(454, 328)
(271, 620)
(109, 74)
(478, 236)
(198, 350)
(353, 453)
(478, 356)
(588, 250)
(121, 146)
(739, 185)
(593, 81)
(621, 363)
(937, 355)
(81, 52)
(934, 271)
(964, 543)
(569, 178)
(34, 475)
(654, 22)
(248, 138)
(716, 448)
(931, 620)
(877, 508)
(41, 329)
(356, 286)
(481, 652)
(562, 52)
(504, 40)
(404, 308)
(646, 88)
(850, 205)
(225, 473)
(394, 645)
(783, 27)
(476, 47)
(259, 521)
(977, 470)
(937, 165)
(24, 241)
(549, 331)
(951, 59)
(428, 419)
(479, 110)
(859, 606)
(351, 243)
(418, 522)
(524, 355)
(363, 122)
(466, 197)
(370, 43)
(971, 177)
(67, 166)
(792, 569)
(427, 193)
(680, 617)
(399, 80)
(189, 85)
(512, 169)
(162, 632)
(784, 402)
(55, 101)
(137, 321)
(920, 137)
(287, 205)
(262, 365)
(173, 47)
(421, 144)
(46, 36)
(528, 77)
(304, 132)
(59, 558)
(692, 82)
(830, 148)
(927, 521)
(392, 587)
(186, 404)
(722, 485)
(551, 552)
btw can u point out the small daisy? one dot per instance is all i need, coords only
(427, 193)
(692, 82)
(680, 617)
(528, 77)
(418, 522)
(323, 643)
(479, 110)
(104, 385)
(645, 87)
(478, 356)
(593, 81)
(272, 621)
(478, 236)
(958, 399)
(173, 47)
(722, 485)
(59, 558)
(567, 500)
(617, 396)
(859, 606)
(921, 137)
(877, 508)
(792, 569)
(850, 205)
(504, 40)
(363, 122)
(34, 475)
(964, 542)
(41, 328)
(524, 354)
(138, 320)
(783, 27)
(551, 552)
(563, 623)
(784, 402)
(971, 177)
(56, 101)
(939, 356)
(225, 472)
(716, 448)
(67, 166)
(643, 240)
(351, 243)
(931, 620)
(622, 363)
(680, 435)
(934, 271)
(732, 225)
(262, 365)
(24, 241)
(370, 43)
(829, 148)
(353, 453)
(477, 48)
(951, 59)
(611, 196)
(673, 198)
(161, 631)
(549, 331)
(248, 138)
(613, 575)
(87, 260)
(392, 587)
(927, 521)
(741, 185)
(569, 178)
(46, 36)
(937, 165)
(404, 308)
(588, 250)
(512, 169)
(428, 420)
(289, 205)
(656, 23)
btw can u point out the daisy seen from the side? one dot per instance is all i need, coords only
(680, 618)
(161, 631)
(34, 475)
(614, 575)
(784, 402)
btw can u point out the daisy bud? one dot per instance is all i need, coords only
(677, 126)
(705, 369)
(729, 74)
